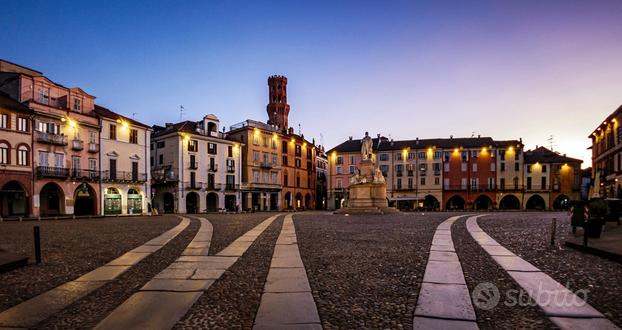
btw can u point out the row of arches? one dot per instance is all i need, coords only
(193, 203)
(299, 202)
(52, 200)
(508, 202)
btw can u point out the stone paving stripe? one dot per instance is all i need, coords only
(129, 259)
(428, 323)
(103, 273)
(561, 305)
(287, 302)
(287, 280)
(170, 294)
(35, 310)
(497, 250)
(444, 301)
(150, 310)
(177, 285)
(448, 301)
(443, 272)
(32, 311)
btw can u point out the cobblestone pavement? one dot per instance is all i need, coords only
(365, 271)
(228, 227)
(69, 249)
(479, 268)
(232, 301)
(528, 236)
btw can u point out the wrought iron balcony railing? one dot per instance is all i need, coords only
(57, 139)
(52, 172)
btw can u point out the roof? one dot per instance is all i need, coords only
(544, 155)
(9, 103)
(184, 126)
(443, 143)
(107, 113)
(606, 121)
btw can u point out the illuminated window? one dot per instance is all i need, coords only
(22, 156)
(4, 153)
(4, 120)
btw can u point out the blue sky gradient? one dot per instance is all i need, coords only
(407, 69)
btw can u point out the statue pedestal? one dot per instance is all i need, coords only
(367, 197)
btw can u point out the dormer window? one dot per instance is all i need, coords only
(77, 104)
(44, 96)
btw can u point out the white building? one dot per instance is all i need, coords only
(195, 169)
(124, 158)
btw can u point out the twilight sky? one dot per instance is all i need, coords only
(505, 69)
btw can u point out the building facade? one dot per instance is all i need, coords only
(66, 169)
(16, 180)
(195, 168)
(476, 173)
(124, 157)
(607, 157)
(321, 192)
(279, 167)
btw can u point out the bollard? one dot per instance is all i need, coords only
(553, 229)
(37, 245)
(585, 233)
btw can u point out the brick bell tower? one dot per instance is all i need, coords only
(278, 109)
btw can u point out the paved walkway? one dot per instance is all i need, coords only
(444, 301)
(561, 305)
(37, 309)
(287, 301)
(164, 300)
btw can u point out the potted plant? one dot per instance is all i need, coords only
(599, 209)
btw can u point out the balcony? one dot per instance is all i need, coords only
(193, 165)
(266, 165)
(213, 168)
(422, 173)
(212, 186)
(56, 139)
(77, 145)
(193, 185)
(121, 176)
(93, 147)
(231, 187)
(52, 172)
(90, 175)
(398, 173)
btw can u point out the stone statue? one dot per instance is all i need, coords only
(367, 146)
(355, 179)
(378, 177)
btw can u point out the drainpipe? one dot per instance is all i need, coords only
(32, 164)
(99, 165)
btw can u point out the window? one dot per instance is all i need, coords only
(112, 167)
(75, 165)
(465, 156)
(92, 164)
(492, 167)
(410, 183)
(464, 167)
(160, 144)
(515, 183)
(446, 155)
(437, 181)
(421, 155)
(298, 150)
(384, 157)
(22, 156)
(43, 158)
(399, 168)
(339, 160)
(92, 137)
(463, 183)
(437, 168)
(352, 169)
(113, 132)
(160, 159)
(265, 141)
(543, 179)
(256, 139)
(384, 169)
(256, 176)
(273, 143)
(399, 184)
(446, 166)
(474, 167)
(398, 156)
(77, 104)
(22, 124)
(298, 163)
(437, 155)
(423, 181)
(284, 147)
(44, 95)
(255, 156)
(59, 160)
(502, 167)
(543, 168)
(502, 184)
(446, 183)
(284, 160)
(274, 159)
(274, 178)
(211, 148)
(516, 167)
(4, 120)
(297, 181)
(4, 153)
(502, 154)
(528, 168)
(529, 182)
(266, 157)
(351, 159)
(230, 151)
(285, 179)
(134, 136)
(411, 155)
(339, 183)
(193, 145)
(339, 171)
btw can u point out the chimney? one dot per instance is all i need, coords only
(378, 135)
(417, 140)
(478, 136)
(451, 137)
(168, 124)
(350, 138)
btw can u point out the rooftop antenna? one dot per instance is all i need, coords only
(551, 141)
(181, 112)
(299, 129)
